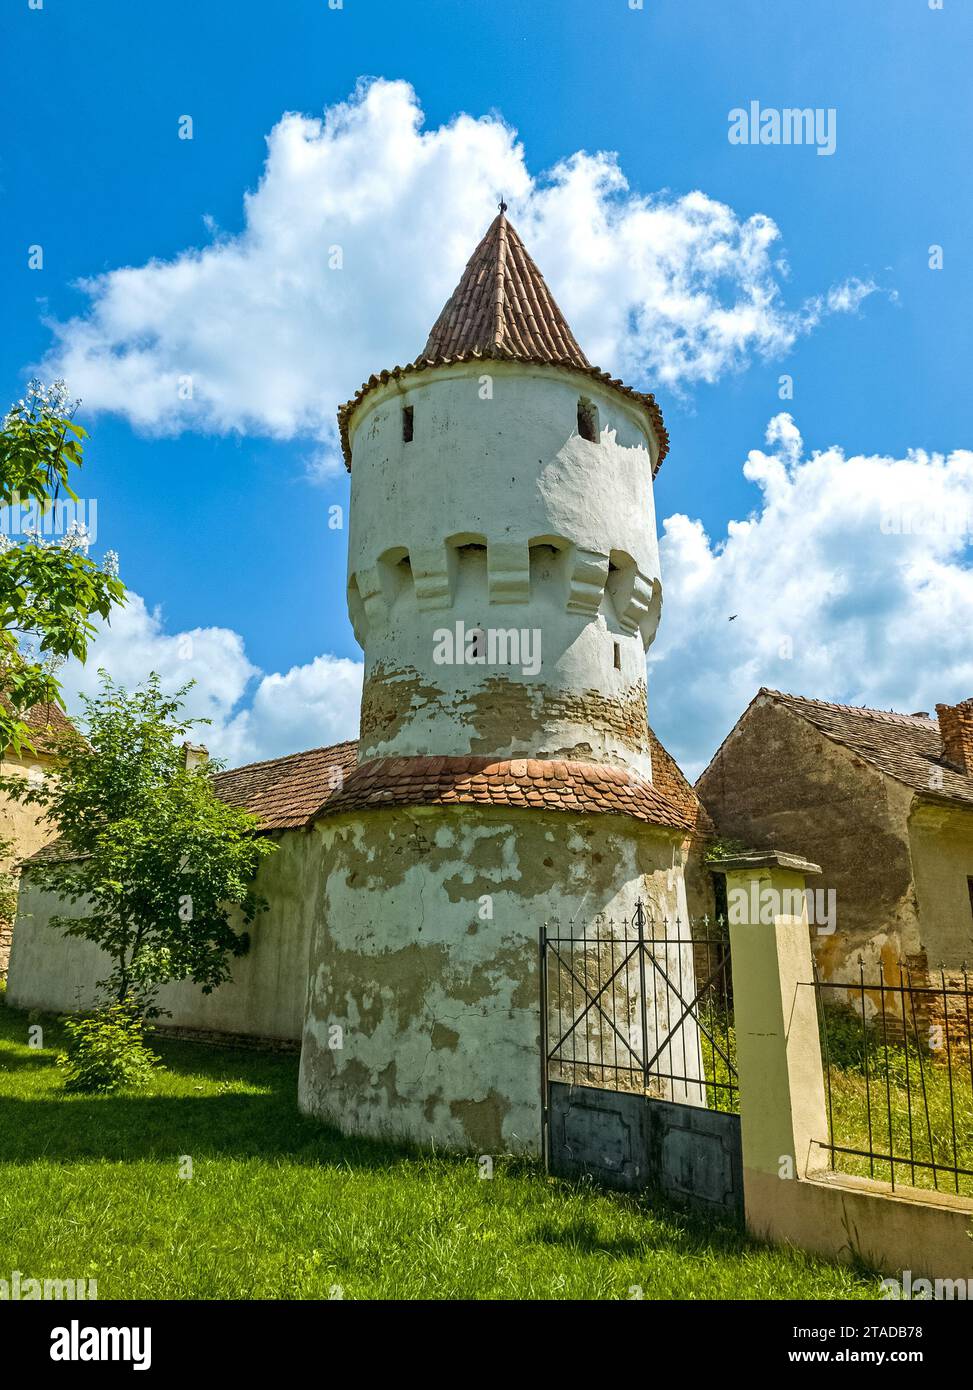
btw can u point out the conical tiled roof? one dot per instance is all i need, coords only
(502, 310)
(502, 305)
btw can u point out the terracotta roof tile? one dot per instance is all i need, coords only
(44, 720)
(573, 786)
(907, 747)
(502, 310)
(502, 301)
(285, 792)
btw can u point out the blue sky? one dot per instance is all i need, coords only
(226, 528)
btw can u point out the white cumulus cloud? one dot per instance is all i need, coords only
(358, 231)
(252, 714)
(852, 580)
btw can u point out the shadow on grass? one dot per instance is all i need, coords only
(16, 1059)
(131, 1127)
(135, 1125)
(666, 1216)
(583, 1237)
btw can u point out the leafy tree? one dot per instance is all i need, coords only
(49, 590)
(157, 860)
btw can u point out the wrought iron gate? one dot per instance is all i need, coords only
(639, 1077)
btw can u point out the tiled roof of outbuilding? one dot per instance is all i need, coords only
(907, 747)
(285, 792)
(502, 310)
(44, 720)
(669, 779)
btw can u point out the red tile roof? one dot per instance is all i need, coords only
(285, 792)
(669, 779)
(907, 747)
(545, 784)
(292, 792)
(44, 720)
(502, 301)
(502, 310)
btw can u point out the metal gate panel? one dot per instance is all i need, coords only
(599, 1134)
(631, 1142)
(639, 1074)
(696, 1155)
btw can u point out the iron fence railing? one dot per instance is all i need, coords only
(898, 1062)
(644, 1005)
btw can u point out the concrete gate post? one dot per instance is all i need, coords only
(783, 1115)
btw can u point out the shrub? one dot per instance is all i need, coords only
(106, 1051)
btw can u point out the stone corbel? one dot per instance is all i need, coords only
(372, 596)
(508, 572)
(431, 576)
(587, 579)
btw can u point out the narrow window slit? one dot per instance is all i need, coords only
(407, 424)
(587, 420)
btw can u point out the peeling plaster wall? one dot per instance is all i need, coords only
(437, 1007)
(942, 852)
(779, 783)
(499, 515)
(266, 994)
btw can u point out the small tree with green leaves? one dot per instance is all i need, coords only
(49, 589)
(159, 864)
(106, 1051)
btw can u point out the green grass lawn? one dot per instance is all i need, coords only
(280, 1207)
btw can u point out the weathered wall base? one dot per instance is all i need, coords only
(265, 996)
(423, 1005)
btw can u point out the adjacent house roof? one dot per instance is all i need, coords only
(43, 720)
(907, 747)
(285, 792)
(502, 310)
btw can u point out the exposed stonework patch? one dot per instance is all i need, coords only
(387, 702)
(444, 1037)
(503, 714)
(483, 1120)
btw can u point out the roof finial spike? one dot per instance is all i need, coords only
(502, 205)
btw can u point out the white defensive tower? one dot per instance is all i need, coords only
(501, 486)
(503, 581)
